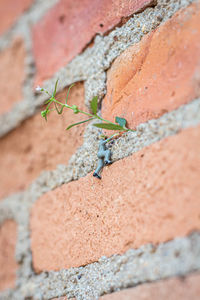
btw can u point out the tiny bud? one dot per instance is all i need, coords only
(43, 113)
(39, 89)
(75, 109)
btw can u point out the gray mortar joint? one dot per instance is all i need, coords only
(28, 107)
(148, 263)
(83, 161)
(146, 134)
(91, 65)
(17, 206)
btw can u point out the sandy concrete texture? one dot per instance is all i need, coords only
(148, 263)
(91, 65)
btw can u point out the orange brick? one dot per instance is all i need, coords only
(10, 11)
(8, 236)
(72, 25)
(169, 289)
(158, 74)
(38, 145)
(150, 197)
(12, 75)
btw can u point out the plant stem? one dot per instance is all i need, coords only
(85, 113)
(115, 134)
(93, 116)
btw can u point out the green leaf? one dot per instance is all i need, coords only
(94, 105)
(70, 126)
(120, 121)
(68, 92)
(45, 112)
(55, 89)
(108, 126)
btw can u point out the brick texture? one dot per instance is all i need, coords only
(158, 74)
(10, 10)
(72, 25)
(38, 145)
(150, 197)
(12, 75)
(8, 236)
(170, 289)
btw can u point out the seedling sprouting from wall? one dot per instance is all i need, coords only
(119, 126)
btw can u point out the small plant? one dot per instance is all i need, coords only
(103, 154)
(119, 126)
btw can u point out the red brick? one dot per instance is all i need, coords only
(158, 74)
(150, 197)
(72, 25)
(38, 145)
(169, 289)
(12, 75)
(10, 12)
(8, 236)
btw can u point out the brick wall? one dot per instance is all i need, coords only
(134, 234)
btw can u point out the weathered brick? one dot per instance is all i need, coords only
(150, 197)
(173, 289)
(10, 11)
(38, 145)
(72, 25)
(12, 75)
(159, 73)
(8, 236)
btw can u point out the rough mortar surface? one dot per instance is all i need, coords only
(84, 161)
(148, 263)
(17, 206)
(89, 218)
(91, 281)
(159, 73)
(38, 146)
(85, 67)
(86, 19)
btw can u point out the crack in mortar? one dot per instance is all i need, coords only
(91, 65)
(148, 263)
(18, 206)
